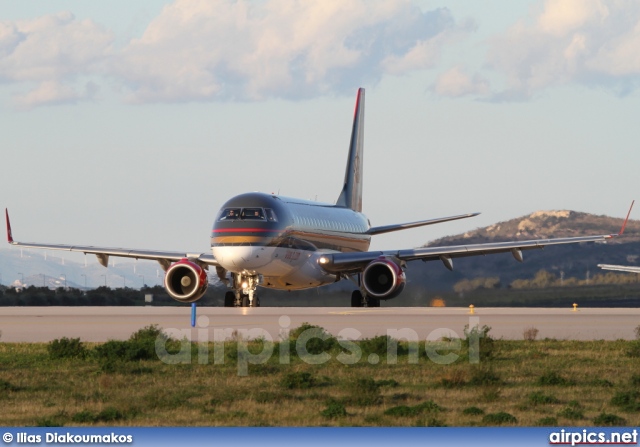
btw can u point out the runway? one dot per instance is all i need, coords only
(99, 324)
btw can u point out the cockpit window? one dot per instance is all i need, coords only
(248, 214)
(252, 214)
(271, 216)
(230, 214)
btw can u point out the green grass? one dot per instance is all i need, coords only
(523, 383)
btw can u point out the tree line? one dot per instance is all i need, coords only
(544, 279)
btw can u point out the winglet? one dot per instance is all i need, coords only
(626, 219)
(9, 236)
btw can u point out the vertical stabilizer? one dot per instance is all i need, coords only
(351, 195)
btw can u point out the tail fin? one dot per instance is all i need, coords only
(351, 195)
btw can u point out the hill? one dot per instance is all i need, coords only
(546, 225)
(575, 260)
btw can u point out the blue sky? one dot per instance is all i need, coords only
(129, 123)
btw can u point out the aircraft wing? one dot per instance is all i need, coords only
(354, 262)
(620, 268)
(165, 258)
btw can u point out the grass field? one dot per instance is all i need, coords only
(513, 383)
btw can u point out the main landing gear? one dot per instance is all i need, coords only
(358, 299)
(244, 293)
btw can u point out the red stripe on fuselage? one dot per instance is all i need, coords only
(244, 230)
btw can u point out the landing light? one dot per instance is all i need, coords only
(245, 285)
(323, 260)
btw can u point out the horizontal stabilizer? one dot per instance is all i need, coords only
(421, 223)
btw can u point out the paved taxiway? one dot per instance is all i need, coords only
(42, 324)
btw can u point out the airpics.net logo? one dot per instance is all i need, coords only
(591, 437)
(442, 345)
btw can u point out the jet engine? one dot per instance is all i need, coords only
(186, 281)
(383, 278)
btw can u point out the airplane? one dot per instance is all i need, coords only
(271, 241)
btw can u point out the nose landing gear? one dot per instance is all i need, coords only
(244, 292)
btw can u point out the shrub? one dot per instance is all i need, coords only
(109, 414)
(478, 342)
(548, 421)
(318, 340)
(530, 333)
(454, 379)
(56, 420)
(402, 411)
(334, 410)
(573, 411)
(7, 386)
(407, 411)
(626, 400)
(602, 382)
(634, 349)
(484, 377)
(84, 417)
(140, 346)
(539, 398)
(555, 379)
(499, 418)
(432, 422)
(66, 348)
(472, 411)
(376, 345)
(608, 419)
(364, 392)
(298, 380)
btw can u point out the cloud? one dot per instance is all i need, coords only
(594, 43)
(203, 50)
(53, 52)
(53, 93)
(456, 83)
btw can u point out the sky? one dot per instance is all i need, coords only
(128, 124)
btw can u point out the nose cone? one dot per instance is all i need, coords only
(239, 258)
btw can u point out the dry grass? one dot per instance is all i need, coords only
(579, 376)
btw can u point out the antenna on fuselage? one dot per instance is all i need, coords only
(351, 195)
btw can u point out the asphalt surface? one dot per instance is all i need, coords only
(97, 324)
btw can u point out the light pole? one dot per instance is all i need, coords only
(123, 282)
(142, 276)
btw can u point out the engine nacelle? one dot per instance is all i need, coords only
(383, 278)
(186, 281)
